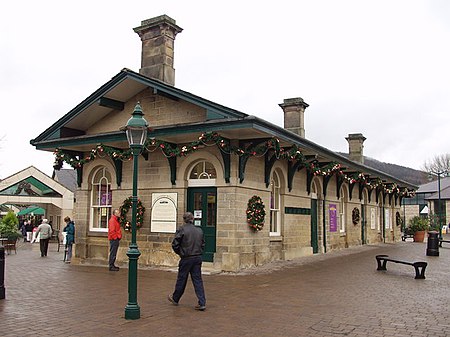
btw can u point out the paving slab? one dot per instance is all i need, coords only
(336, 294)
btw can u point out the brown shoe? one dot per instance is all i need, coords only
(171, 300)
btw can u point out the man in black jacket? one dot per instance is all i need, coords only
(189, 243)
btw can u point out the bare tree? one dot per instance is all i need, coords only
(440, 163)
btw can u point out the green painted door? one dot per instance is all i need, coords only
(202, 202)
(314, 231)
(363, 224)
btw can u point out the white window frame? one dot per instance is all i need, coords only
(275, 205)
(105, 204)
(342, 212)
(204, 178)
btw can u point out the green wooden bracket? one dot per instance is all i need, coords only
(309, 178)
(268, 165)
(351, 187)
(79, 175)
(242, 162)
(173, 169)
(361, 190)
(326, 180)
(292, 168)
(226, 157)
(118, 164)
(251, 143)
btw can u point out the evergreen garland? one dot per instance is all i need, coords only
(292, 153)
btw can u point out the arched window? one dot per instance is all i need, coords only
(101, 200)
(203, 174)
(275, 200)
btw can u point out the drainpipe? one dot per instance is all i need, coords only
(324, 226)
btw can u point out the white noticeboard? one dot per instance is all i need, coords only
(164, 213)
(373, 218)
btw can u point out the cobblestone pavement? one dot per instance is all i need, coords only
(337, 294)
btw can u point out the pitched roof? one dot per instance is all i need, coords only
(69, 131)
(66, 177)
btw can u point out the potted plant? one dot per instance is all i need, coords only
(418, 226)
(8, 227)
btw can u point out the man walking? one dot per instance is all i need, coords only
(114, 236)
(189, 243)
(45, 233)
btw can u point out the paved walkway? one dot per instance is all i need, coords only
(337, 294)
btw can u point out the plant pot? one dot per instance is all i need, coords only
(419, 236)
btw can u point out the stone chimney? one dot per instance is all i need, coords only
(356, 146)
(294, 115)
(158, 36)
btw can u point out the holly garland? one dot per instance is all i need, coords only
(292, 153)
(255, 213)
(126, 206)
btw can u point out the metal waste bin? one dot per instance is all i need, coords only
(2, 273)
(433, 243)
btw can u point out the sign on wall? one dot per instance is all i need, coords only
(164, 212)
(387, 219)
(332, 209)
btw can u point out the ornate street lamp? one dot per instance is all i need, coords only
(136, 131)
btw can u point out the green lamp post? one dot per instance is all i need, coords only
(136, 131)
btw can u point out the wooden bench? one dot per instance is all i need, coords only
(419, 267)
(441, 240)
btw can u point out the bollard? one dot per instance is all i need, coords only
(2, 273)
(433, 244)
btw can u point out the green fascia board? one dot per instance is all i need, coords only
(211, 107)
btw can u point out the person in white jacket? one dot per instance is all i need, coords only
(44, 231)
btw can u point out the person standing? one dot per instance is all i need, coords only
(23, 230)
(29, 229)
(70, 237)
(45, 233)
(114, 236)
(189, 243)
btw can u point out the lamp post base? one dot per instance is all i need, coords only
(132, 311)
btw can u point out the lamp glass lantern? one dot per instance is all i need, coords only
(136, 128)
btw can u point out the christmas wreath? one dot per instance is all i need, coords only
(126, 206)
(255, 213)
(355, 215)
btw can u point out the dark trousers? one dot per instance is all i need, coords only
(43, 245)
(190, 265)
(113, 247)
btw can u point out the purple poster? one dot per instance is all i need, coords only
(333, 218)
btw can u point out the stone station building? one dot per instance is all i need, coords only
(211, 160)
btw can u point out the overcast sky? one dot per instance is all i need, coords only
(380, 68)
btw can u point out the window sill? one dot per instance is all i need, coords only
(276, 238)
(98, 233)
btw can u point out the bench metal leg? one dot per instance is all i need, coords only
(420, 269)
(381, 266)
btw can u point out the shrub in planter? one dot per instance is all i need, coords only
(417, 224)
(8, 227)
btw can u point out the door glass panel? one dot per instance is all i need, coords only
(211, 217)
